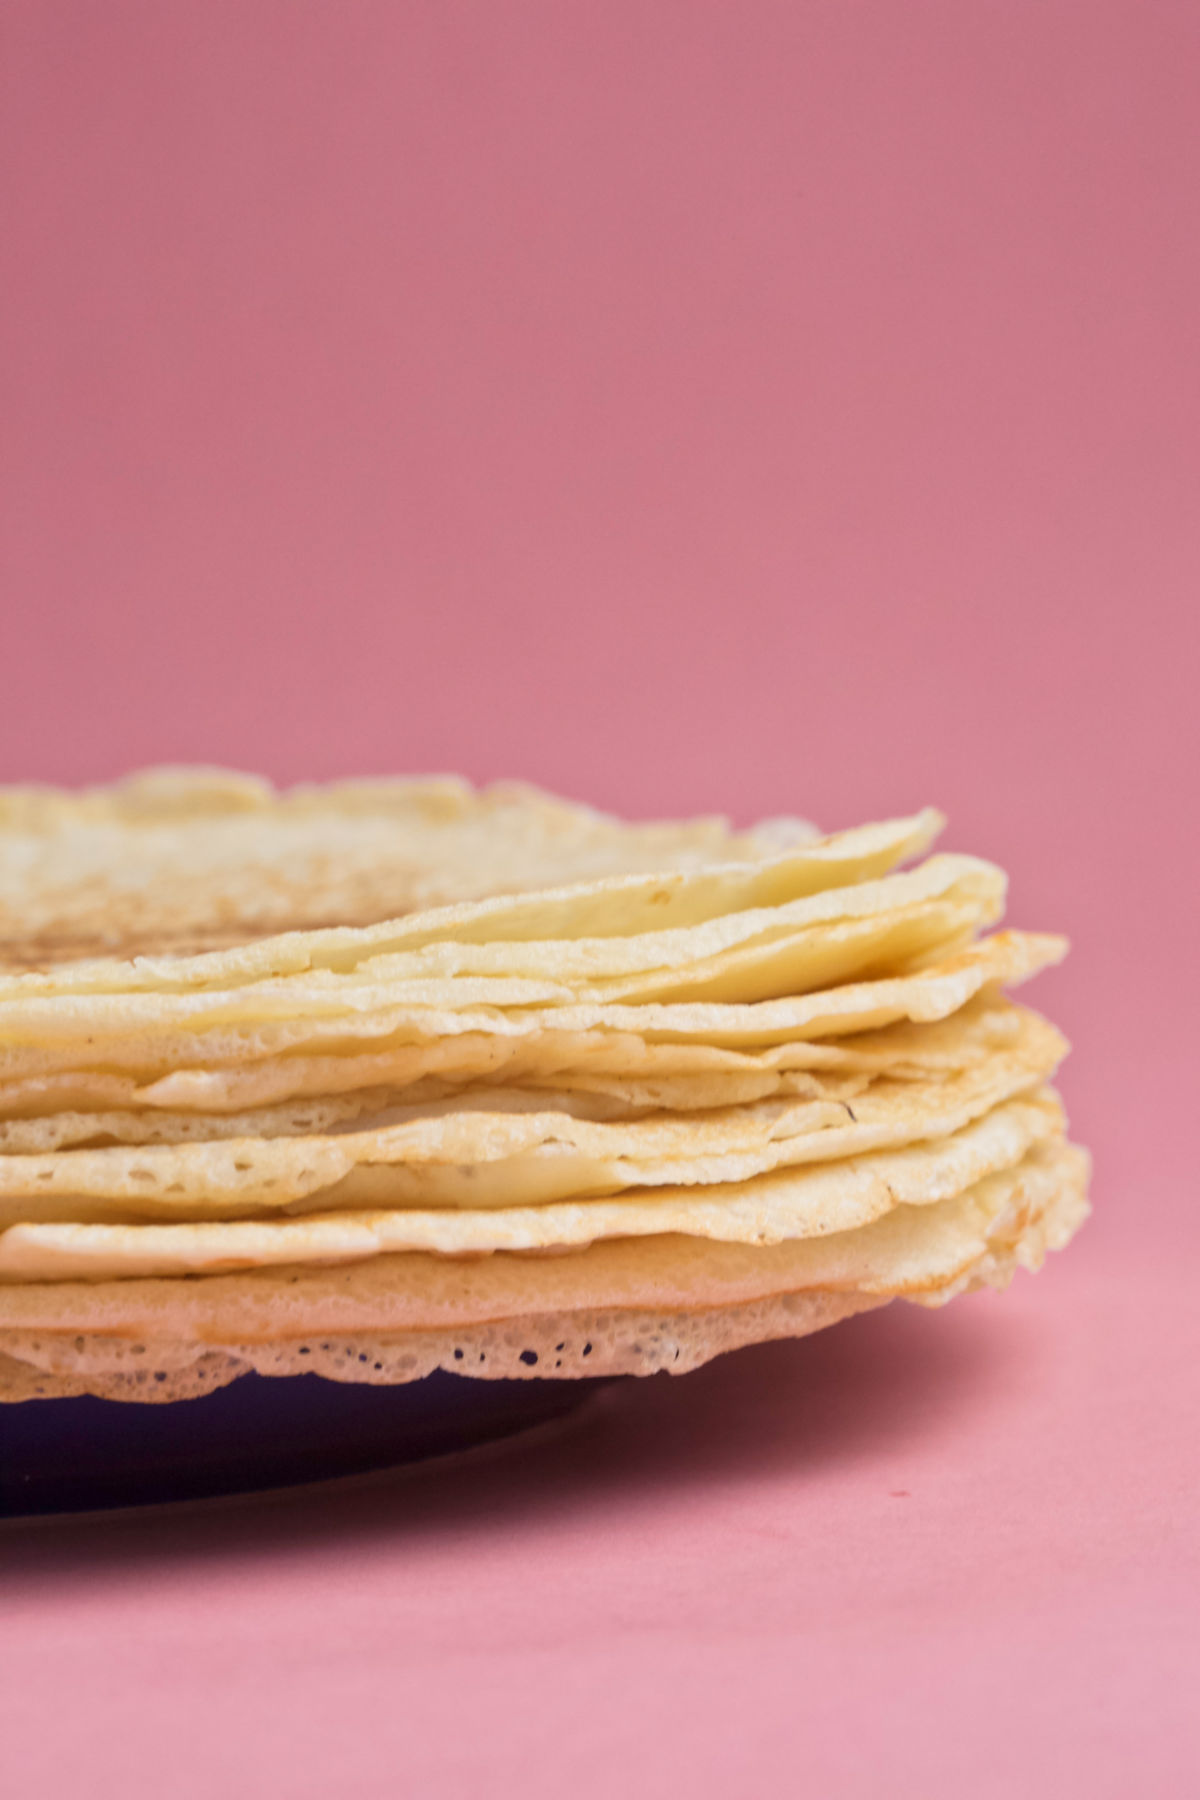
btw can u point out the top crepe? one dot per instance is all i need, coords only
(184, 860)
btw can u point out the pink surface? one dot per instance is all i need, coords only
(689, 406)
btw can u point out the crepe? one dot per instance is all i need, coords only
(184, 859)
(619, 1308)
(389, 1077)
(458, 1153)
(799, 1200)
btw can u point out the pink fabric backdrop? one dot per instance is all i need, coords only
(752, 407)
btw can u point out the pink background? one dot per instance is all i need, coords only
(689, 406)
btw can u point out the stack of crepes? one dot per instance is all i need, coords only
(591, 1098)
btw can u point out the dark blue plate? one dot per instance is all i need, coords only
(259, 1432)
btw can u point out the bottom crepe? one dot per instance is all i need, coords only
(623, 1307)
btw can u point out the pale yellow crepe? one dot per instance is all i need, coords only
(277, 1053)
(183, 859)
(627, 1306)
(387, 1077)
(543, 1047)
(806, 943)
(622, 906)
(451, 1155)
(791, 1202)
(592, 1075)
